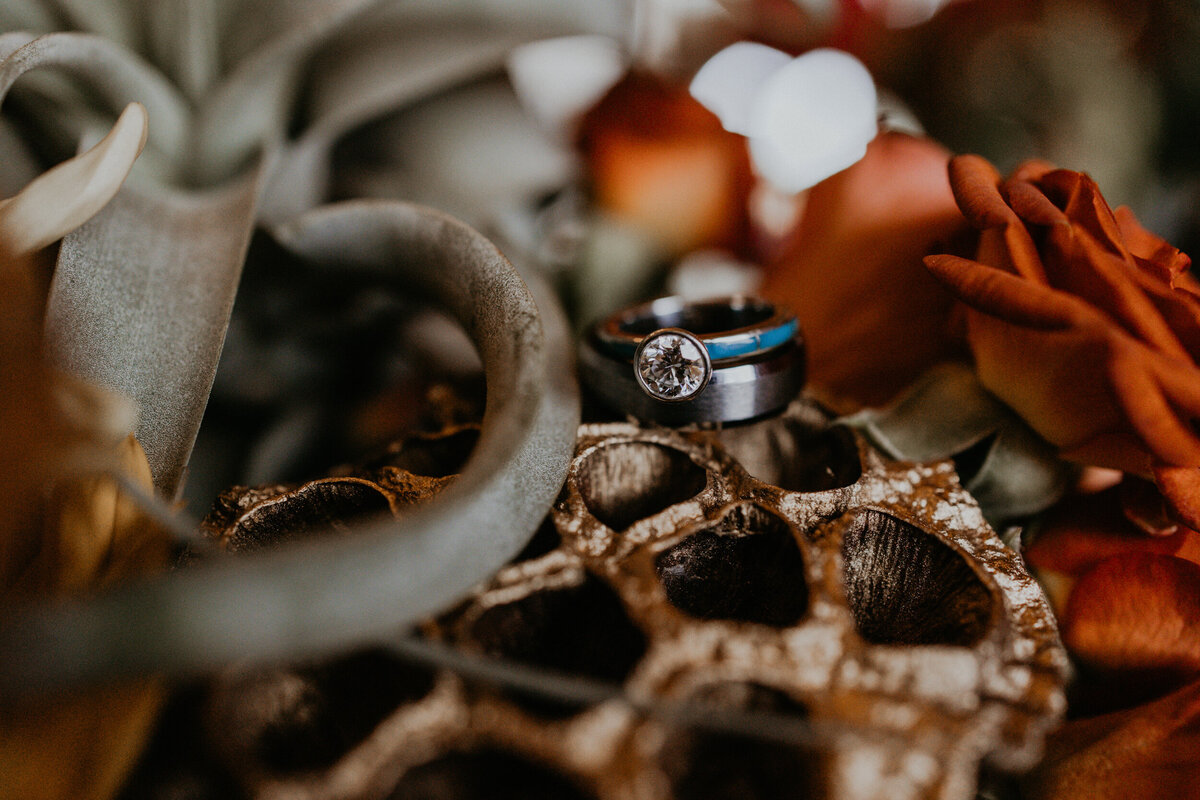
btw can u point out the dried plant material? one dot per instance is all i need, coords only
(1075, 320)
(246, 519)
(90, 535)
(63, 198)
(870, 634)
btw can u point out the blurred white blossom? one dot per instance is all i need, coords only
(806, 118)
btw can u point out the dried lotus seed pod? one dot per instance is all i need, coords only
(788, 613)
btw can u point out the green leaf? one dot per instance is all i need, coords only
(1011, 471)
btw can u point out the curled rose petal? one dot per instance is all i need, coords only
(1079, 319)
(1137, 611)
(1146, 753)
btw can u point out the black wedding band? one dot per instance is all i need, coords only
(678, 362)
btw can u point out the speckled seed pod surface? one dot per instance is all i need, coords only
(782, 572)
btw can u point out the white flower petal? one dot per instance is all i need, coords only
(61, 199)
(904, 13)
(557, 80)
(813, 118)
(730, 82)
(895, 115)
(712, 273)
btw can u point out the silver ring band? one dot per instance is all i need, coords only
(670, 376)
(729, 327)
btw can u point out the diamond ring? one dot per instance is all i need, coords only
(723, 360)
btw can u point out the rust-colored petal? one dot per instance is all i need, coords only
(1083, 266)
(1145, 506)
(1004, 295)
(1167, 261)
(1031, 204)
(976, 186)
(874, 318)
(1149, 410)
(1085, 529)
(661, 162)
(1073, 326)
(1082, 203)
(1137, 612)
(1147, 753)
(1181, 487)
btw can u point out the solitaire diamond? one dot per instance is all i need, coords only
(672, 365)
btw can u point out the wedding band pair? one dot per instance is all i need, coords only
(679, 362)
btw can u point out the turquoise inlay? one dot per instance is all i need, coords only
(735, 347)
(756, 343)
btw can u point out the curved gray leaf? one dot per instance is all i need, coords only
(248, 109)
(183, 38)
(116, 75)
(329, 593)
(365, 77)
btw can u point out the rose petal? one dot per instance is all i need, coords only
(1137, 611)
(1178, 305)
(1080, 198)
(1145, 753)
(1168, 262)
(1032, 205)
(1144, 506)
(976, 186)
(1007, 296)
(874, 318)
(1181, 487)
(1083, 266)
(812, 119)
(730, 82)
(1148, 409)
(1083, 530)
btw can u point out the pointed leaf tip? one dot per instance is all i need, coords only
(61, 199)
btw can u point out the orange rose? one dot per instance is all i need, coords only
(873, 318)
(1081, 320)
